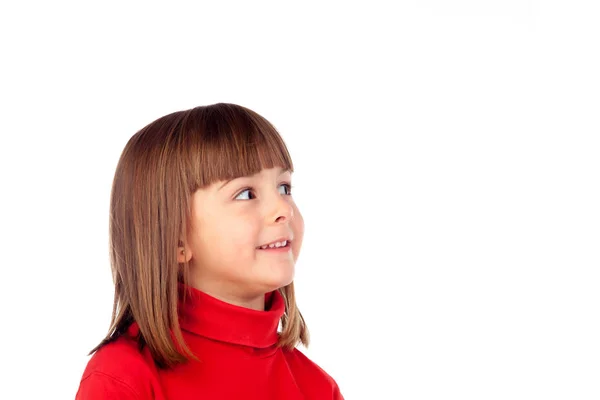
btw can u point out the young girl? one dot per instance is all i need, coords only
(204, 236)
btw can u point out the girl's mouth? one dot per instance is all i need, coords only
(275, 249)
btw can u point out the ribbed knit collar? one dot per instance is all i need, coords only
(212, 318)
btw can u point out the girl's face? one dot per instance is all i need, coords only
(230, 221)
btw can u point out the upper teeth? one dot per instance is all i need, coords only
(276, 244)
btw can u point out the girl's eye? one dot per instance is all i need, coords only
(287, 186)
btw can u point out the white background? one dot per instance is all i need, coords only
(447, 167)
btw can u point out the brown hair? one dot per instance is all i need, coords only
(161, 166)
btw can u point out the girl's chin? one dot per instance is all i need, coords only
(279, 281)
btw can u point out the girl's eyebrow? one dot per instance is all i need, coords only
(281, 172)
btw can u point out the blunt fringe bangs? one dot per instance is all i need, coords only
(160, 168)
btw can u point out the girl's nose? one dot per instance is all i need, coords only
(283, 210)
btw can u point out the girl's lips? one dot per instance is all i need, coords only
(282, 249)
(280, 240)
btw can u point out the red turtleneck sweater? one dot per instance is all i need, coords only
(239, 360)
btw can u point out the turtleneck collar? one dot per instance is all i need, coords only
(212, 318)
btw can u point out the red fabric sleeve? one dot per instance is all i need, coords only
(100, 386)
(337, 395)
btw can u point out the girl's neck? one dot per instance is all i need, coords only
(225, 293)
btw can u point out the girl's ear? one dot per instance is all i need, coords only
(183, 254)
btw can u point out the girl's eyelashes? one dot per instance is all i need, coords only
(288, 192)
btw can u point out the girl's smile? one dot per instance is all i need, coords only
(281, 249)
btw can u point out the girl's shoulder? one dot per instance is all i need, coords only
(119, 370)
(312, 374)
